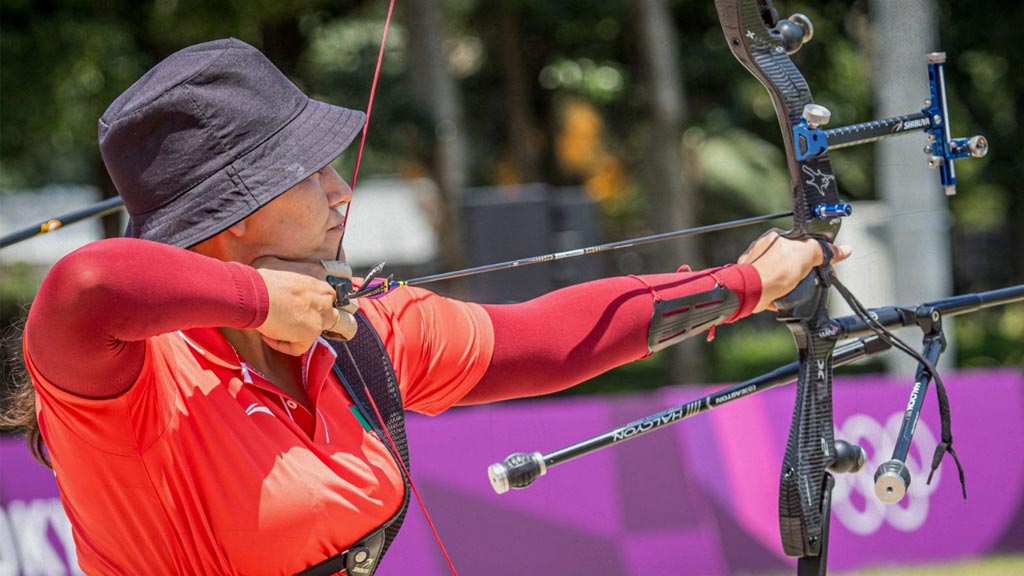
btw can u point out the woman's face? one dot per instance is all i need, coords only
(305, 223)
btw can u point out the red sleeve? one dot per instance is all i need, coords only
(87, 327)
(440, 347)
(570, 335)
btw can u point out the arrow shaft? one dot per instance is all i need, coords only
(594, 249)
(99, 209)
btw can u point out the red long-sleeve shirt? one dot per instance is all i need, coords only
(174, 456)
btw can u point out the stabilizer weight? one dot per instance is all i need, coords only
(891, 481)
(517, 471)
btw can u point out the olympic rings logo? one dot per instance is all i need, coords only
(853, 498)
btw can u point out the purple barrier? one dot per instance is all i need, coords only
(698, 498)
(35, 535)
(701, 497)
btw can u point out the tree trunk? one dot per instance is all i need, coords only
(673, 204)
(523, 141)
(438, 95)
(917, 233)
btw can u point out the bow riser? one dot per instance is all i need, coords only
(755, 38)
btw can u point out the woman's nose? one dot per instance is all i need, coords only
(338, 191)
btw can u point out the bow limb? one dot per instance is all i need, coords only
(760, 41)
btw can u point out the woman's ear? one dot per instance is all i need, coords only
(221, 245)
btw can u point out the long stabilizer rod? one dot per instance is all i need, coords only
(520, 470)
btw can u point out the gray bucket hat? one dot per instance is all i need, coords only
(211, 134)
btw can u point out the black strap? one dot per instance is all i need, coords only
(947, 438)
(330, 566)
(946, 445)
(359, 560)
(826, 251)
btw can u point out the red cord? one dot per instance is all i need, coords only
(373, 92)
(355, 175)
(369, 111)
(405, 470)
(415, 490)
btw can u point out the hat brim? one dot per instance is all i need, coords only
(317, 135)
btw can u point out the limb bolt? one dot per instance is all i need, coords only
(816, 115)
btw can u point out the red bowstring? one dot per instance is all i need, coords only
(355, 175)
(398, 458)
(369, 111)
(373, 92)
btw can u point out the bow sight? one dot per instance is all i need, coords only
(942, 148)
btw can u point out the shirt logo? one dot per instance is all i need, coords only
(256, 407)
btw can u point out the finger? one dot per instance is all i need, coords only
(290, 348)
(333, 318)
(841, 252)
(344, 328)
(837, 253)
(326, 290)
(769, 236)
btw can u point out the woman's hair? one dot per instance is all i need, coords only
(18, 409)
